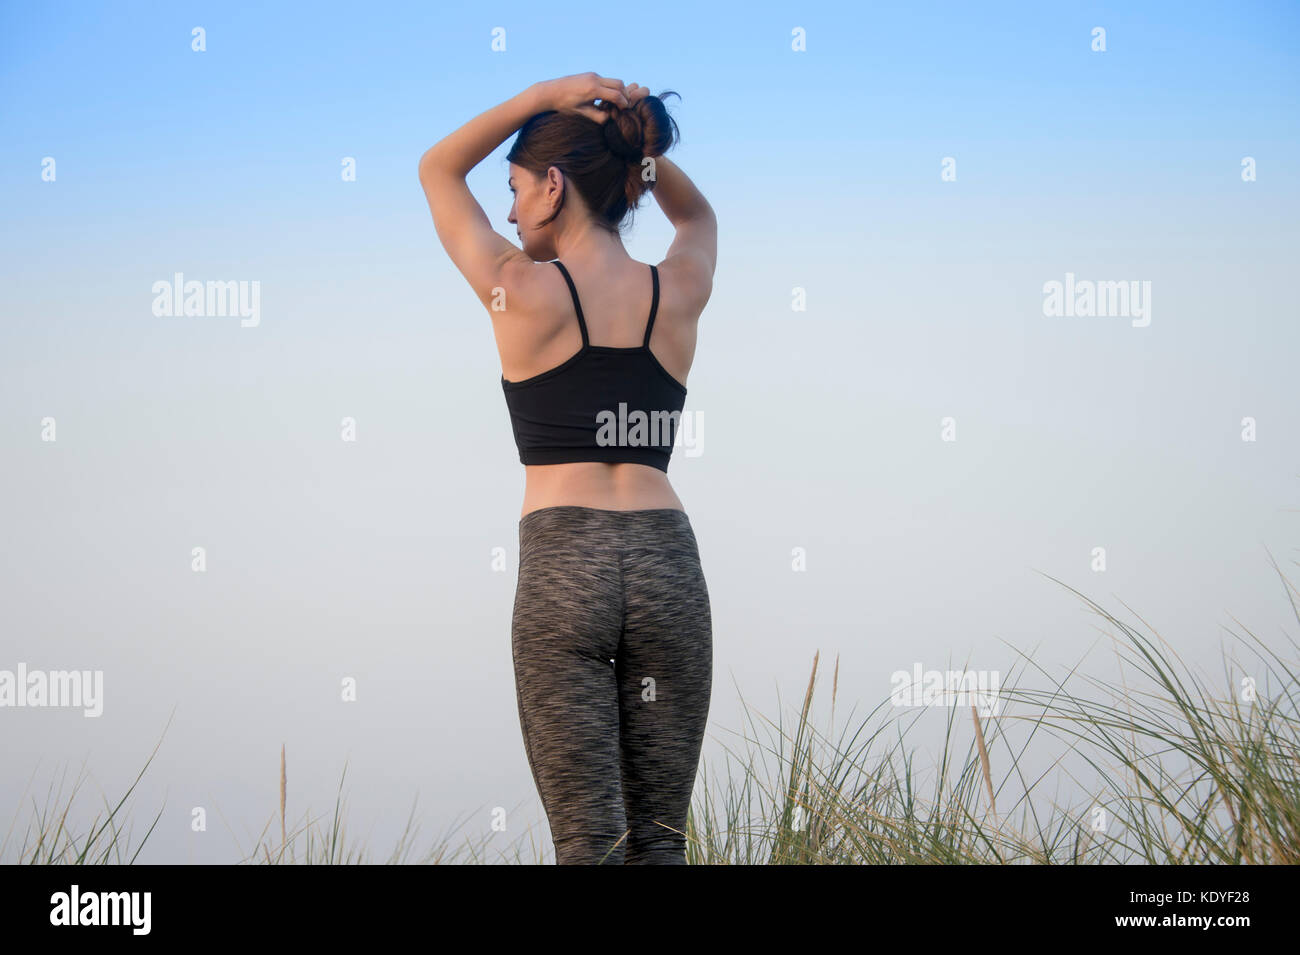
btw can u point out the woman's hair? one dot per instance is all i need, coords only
(603, 161)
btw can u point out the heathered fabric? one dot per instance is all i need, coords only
(613, 746)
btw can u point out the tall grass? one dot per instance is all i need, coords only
(1181, 772)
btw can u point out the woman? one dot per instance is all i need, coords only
(612, 633)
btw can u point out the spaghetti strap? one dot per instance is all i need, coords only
(654, 306)
(577, 305)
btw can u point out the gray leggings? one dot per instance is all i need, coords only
(613, 653)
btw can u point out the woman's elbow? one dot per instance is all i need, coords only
(701, 217)
(434, 161)
(428, 162)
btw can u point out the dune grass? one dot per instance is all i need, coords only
(1179, 773)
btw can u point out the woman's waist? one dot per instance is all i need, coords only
(598, 485)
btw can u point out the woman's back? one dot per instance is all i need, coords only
(592, 337)
(616, 299)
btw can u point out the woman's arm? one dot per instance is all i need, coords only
(477, 250)
(690, 214)
(693, 253)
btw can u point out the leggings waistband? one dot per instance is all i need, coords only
(602, 515)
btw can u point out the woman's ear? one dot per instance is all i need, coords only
(555, 186)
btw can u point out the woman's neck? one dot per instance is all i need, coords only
(591, 244)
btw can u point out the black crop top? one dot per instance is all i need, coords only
(602, 404)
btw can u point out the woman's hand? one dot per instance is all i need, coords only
(580, 92)
(635, 93)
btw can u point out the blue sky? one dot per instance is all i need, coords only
(924, 302)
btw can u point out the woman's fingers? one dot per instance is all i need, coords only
(582, 91)
(611, 91)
